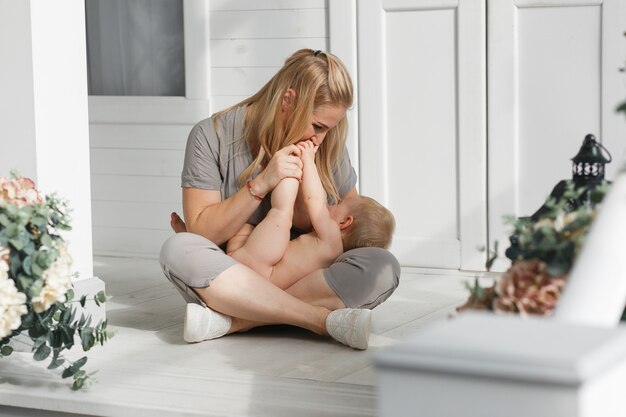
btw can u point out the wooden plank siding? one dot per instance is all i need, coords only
(137, 157)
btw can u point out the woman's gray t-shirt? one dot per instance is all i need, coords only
(214, 160)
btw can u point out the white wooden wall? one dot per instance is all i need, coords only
(467, 110)
(137, 143)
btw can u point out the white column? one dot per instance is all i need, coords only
(44, 125)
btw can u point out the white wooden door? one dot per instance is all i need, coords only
(553, 77)
(422, 125)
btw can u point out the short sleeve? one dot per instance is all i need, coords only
(345, 175)
(201, 168)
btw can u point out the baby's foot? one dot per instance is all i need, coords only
(177, 224)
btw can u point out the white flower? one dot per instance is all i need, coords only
(12, 305)
(57, 280)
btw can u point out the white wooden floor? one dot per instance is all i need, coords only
(148, 370)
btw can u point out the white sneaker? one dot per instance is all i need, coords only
(350, 326)
(202, 323)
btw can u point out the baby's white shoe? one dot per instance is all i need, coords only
(202, 323)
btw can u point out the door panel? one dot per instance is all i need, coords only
(422, 126)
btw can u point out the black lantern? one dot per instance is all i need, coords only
(587, 172)
(588, 167)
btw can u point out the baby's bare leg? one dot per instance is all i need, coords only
(269, 239)
(239, 239)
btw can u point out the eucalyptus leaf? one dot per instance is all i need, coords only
(57, 315)
(37, 330)
(6, 350)
(35, 288)
(56, 363)
(29, 248)
(78, 384)
(68, 372)
(18, 242)
(38, 220)
(79, 363)
(36, 270)
(102, 297)
(24, 282)
(55, 338)
(74, 368)
(29, 319)
(46, 240)
(42, 352)
(15, 264)
(87, 339)
(11, 230)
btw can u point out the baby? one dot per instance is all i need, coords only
(357, 221)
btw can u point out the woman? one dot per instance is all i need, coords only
(232, 161)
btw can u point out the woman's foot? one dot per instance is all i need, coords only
(202, 323)
(350, 326)
(177, 224)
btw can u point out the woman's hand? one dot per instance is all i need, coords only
(285, 163)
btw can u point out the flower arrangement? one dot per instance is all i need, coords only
(36, 296)
(542, 251)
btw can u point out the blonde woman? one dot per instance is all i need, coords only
(232, 162)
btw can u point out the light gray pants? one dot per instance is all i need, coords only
(361, 278)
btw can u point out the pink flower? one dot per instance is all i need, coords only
(19, 192)
(527, 288)
(4, 259)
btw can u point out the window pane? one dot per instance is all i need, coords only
(135, 47)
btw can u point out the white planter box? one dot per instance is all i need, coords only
(484, 365)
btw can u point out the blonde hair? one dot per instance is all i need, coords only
(372, 225)
(318, 78)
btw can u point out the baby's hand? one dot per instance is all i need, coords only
(308, 149)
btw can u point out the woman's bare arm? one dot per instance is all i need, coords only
(218, 221)
(207, 215)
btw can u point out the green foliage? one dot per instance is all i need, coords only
(558, 234)
(54, 331)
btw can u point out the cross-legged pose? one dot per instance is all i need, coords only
(232, 161)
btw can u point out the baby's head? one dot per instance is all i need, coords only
(363, 222)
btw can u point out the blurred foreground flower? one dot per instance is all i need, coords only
(542, 252)
(35, 281)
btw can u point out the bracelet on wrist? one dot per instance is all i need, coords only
(252, 193)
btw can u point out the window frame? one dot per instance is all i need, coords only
(189, 109)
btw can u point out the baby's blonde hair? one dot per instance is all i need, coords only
(372, 225)
(318, 78)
